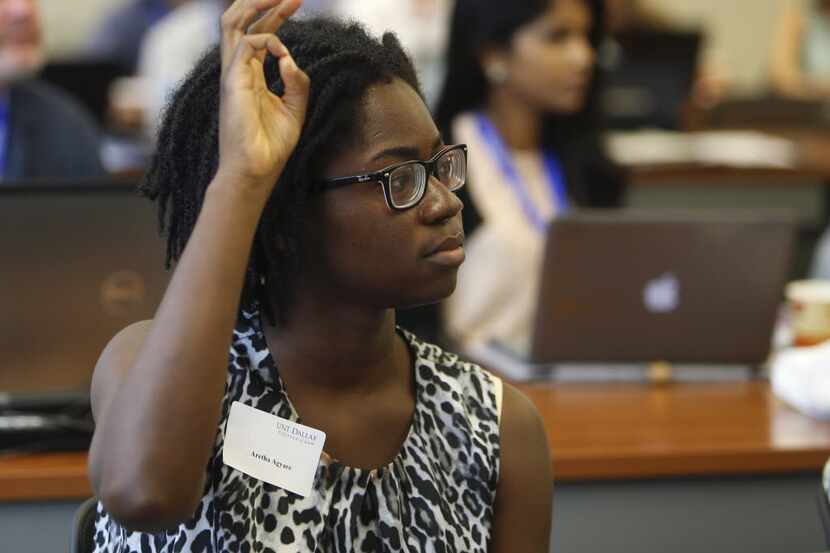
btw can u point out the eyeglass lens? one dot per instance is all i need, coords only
(408, 182)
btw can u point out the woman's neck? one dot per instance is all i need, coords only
(519, 125)
(331, 346)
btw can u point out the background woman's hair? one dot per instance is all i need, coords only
(477, 24)
(342, 62)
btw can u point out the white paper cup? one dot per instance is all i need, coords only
(809, 302)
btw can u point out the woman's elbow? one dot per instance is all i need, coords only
(146, 507)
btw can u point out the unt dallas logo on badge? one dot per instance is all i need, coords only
(274, 450)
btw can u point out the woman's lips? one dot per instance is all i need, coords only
(448, 258)
(448, 252)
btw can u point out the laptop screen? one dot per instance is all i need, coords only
(683, 287)
(80, 261)
(648, 78)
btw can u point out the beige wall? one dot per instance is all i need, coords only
(68, 23)
(739, 34)
(739, 30)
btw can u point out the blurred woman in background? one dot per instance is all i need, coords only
(520, 91)
(800, 58)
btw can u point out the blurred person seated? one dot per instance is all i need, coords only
(627, 18)
(118, 37)
(826, 479)
(43, 133)
(189, 31)
(800, 56)
(420, 25)
(820, 267)
(171, 49)
(520, 92)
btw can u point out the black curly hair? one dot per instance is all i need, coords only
(342, 61)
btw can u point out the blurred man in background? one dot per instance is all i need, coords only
(171, 49)
(190, 31)
(422, 26)
(118, 37)
(42, 132)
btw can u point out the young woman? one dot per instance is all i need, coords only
(520, 92)
(307, 193)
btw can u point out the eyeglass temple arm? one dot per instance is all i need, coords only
(339, 182)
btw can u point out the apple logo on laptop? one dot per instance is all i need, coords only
(662, 294)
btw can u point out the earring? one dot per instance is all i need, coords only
(496, 72)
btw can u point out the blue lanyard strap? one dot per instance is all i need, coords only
(157, 9)
(553, 168)
(4, 132)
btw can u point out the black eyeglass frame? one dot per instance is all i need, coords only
(384, 177)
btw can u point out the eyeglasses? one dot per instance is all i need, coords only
(405, 184)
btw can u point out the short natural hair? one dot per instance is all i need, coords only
(342, 61)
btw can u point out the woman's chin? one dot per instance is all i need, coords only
(569, 104)
(436, 293)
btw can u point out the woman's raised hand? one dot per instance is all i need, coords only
(258, 130)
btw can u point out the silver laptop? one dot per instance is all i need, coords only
(695, 287)
(80, 261)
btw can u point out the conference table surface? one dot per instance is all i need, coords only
(596, 432)
(812, 162)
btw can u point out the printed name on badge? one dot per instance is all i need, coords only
(274, 450)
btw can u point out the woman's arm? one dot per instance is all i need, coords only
(158, 385)
(524, 498)
(785, 72)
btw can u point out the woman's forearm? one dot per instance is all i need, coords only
(155, 437)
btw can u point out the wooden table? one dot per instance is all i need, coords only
(682, 468)
(715, 467)
(49, 476)
(664, 174)
(630, 431)
(812, 163)
(596, 432)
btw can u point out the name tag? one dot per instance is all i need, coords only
(274, 450)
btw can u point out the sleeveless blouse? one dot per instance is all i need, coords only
(487, 305)
(437, 494)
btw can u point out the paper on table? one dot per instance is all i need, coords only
(727, 148)
(801, 377)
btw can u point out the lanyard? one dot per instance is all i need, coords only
(156, 10)
(4, 132)
(555, 180)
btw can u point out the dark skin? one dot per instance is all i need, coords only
(338, 352)
(360, 261)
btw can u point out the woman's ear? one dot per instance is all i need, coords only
(494, 63)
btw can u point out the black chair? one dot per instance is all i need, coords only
(824, 510)
(83, 529)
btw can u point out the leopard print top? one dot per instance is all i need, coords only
(436, 495)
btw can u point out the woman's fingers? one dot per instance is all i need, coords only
(296, 83)
(255, 47)
(236, 20)
(242, 13)
(262, 42)
(273, 19)
(242, 64)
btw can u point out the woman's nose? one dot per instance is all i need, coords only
(439, 203)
